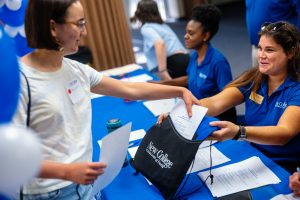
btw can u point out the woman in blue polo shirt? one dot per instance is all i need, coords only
(271, 93)
(208, 70)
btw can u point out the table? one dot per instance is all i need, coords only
(128, 185)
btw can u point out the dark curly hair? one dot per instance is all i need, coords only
(209, 16)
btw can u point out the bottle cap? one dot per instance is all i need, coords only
(113, 124)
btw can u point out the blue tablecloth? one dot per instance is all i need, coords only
(127, 185)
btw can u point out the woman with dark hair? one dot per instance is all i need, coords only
(60, 111)
(165, 54)
(271, 93)
(208, 71)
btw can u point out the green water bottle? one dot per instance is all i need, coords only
(112, 125)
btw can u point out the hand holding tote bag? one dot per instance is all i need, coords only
(164, 157)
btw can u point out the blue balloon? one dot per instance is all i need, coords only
(21, 46)
(9, 78)
(3, 197)
(11, 17)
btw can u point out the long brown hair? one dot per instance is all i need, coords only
(288, 37)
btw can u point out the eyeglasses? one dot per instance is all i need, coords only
(269, 26)
(81, 24)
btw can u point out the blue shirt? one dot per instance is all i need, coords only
(152, 32)
(260, 11)
(269, 112)
(211, 76)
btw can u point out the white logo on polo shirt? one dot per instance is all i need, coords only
(280, 104)
(203, 76)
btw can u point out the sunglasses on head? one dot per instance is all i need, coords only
(269, 26)
(277, 26)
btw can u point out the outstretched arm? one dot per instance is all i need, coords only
(149, 91)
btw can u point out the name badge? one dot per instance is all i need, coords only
(75, 91)
(256, 98)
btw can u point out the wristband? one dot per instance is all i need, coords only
(241, 134)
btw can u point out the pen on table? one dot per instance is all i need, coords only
(298, 171)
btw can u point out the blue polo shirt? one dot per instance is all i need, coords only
(268, 113)
(211, 76)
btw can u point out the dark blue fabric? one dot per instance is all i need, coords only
(269, 112)
(259, 11)
(211, 76)
(3, 197)
(204, 129)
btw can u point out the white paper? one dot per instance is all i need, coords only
(113, 152)
(158, 107)
(184, 124)
(132, 151)
(121, 70)
(138, 78)
(248, 174)
(202, 158)
(136, 135)
(290, 196)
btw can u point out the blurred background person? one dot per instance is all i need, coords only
(166, 56)
(258, 12)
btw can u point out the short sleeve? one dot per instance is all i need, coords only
(245, 90)
(90, 74)
(150, 36)
(94, 76)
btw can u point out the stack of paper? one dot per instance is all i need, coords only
(244, 175)
(121, 70)
(138, 78)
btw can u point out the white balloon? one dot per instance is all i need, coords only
(20, 157)
(14, 4)
(2, 2)
(11, 30)
(22, 31)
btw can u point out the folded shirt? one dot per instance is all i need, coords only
(204, 129)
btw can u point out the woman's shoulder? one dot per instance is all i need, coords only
(155, 26)
(73, 64)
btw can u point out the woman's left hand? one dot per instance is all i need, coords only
(228, 130)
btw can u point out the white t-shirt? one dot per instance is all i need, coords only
(60, 116)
